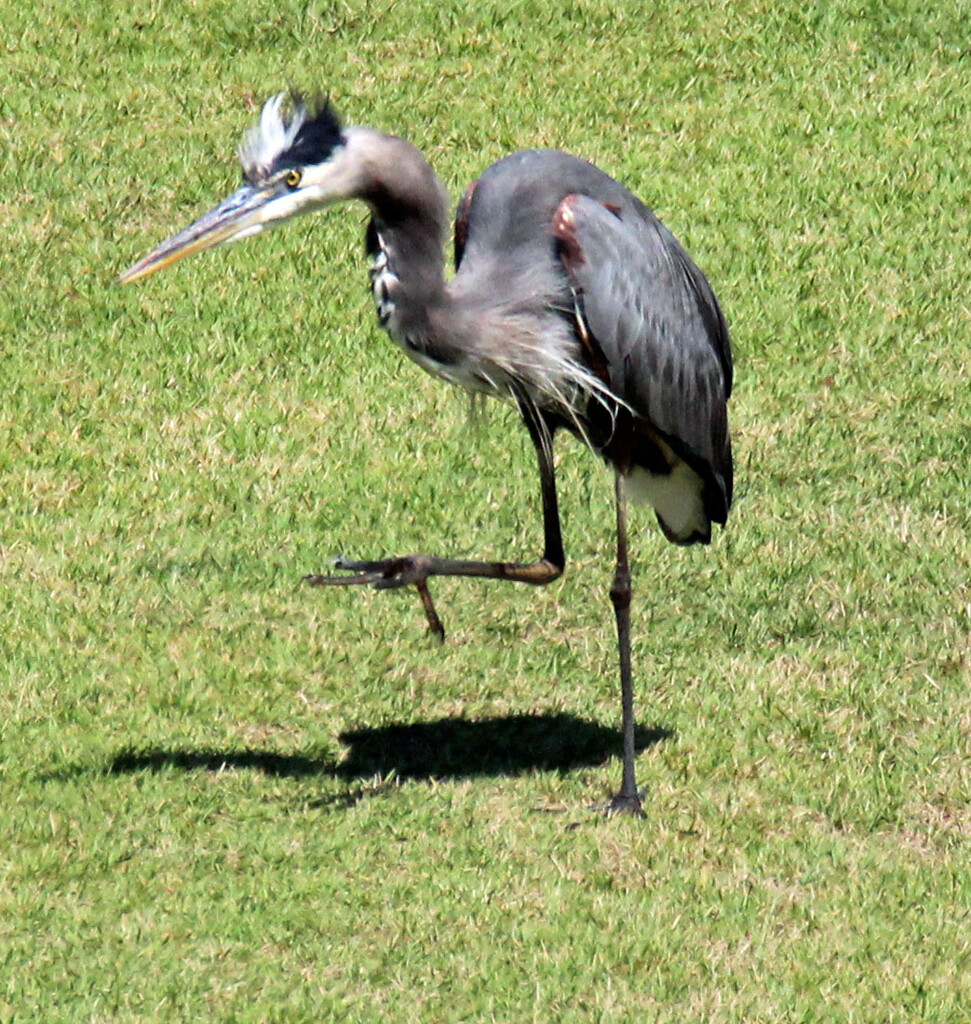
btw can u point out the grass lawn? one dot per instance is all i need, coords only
(228, 797)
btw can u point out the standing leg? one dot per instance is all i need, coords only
(628, 800)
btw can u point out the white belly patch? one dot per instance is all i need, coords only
(676, 498)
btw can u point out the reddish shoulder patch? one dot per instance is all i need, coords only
(565, 232)
(462, 223)
(571, 253)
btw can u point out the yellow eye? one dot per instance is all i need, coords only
(293, 178)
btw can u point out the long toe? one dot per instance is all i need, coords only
(316, 579)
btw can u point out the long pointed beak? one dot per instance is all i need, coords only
(241, 215)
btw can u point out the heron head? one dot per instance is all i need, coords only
(295, 159)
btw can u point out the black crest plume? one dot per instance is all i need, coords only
(292, 132)
(318, 134)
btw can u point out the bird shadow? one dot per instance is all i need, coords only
(461, 747)
(445, 748)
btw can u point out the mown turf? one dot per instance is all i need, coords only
(228, 797)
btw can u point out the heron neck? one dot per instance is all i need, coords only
(406, 237)
(408, 273)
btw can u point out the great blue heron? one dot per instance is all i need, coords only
(570, 299)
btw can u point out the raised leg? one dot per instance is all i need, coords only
(415, 570)
(628, 800)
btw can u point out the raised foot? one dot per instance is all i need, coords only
(383, 574)
(387, 574)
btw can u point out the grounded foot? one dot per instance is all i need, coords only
(620, 803)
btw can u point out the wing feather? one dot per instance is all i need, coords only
(660, 329)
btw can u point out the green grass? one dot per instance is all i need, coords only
(227, 797)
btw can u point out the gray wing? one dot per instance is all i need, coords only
(658, 325)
